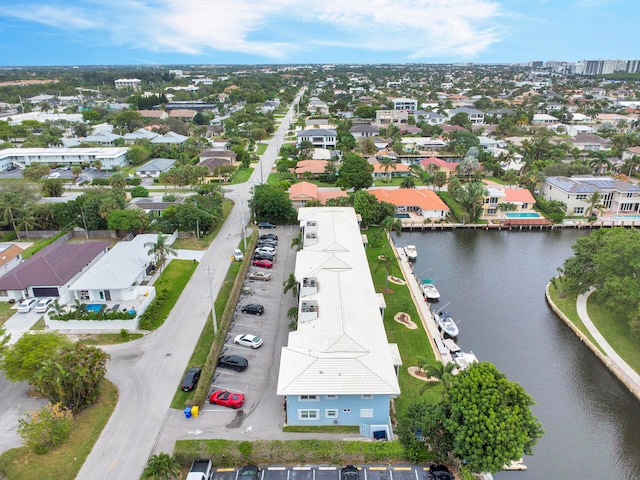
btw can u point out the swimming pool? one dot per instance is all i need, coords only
(625, 217)
(403, 215)
(94, 307)
(523, 215)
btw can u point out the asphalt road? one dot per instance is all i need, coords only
(147, 371)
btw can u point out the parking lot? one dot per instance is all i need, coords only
(370, 472)
(262, 409)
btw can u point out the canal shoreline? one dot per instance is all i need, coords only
(612, 366)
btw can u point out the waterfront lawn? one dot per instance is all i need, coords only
(567, 304)
(616, 331)
(414, 345)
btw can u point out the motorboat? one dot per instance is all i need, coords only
(429, 290)
(464, 359)
(446, 324)
(411, 252)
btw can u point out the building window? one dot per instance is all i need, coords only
(308, 398)
(331, 397)
(581, 196)
(366, 413)
(308, 414)
(578, 210)
(367, 397)
(331, 413)
(346, 410)
(491, 211)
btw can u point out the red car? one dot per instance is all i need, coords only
(227, 399)
(263, 263)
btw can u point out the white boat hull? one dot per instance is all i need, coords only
(411, 252)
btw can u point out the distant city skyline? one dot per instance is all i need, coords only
(149, 32)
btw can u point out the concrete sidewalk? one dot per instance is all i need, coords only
(623, 367)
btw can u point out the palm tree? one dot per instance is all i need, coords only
(632, 163)
(387, 163)
(471, 198)
(56, 309)
(594, 202)
(79, 308)
(26, 221)
(599, 162)
(441, 371)
(10, 204)
(511, 177)
(160, 250)
(162, 466)
(439, 179)
(296, 242)
(291, 284)
(507, 207)
(408, 182)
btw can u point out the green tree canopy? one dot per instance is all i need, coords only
(22, 360)
(271, 203)
(355, 172)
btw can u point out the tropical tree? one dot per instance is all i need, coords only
(594, 202)
(441, 371)
(469, 163)
(510, 177)
(355, 172)
(52, 187)
(599, 162)
(296, 242)
(21, 361)
(10, 204)
(160, 250)
(46, 428)
(290, 284)
(387, 163)
(162, 466)
(408, 182)
(507, 207)
(117, 180)
(439, 179)
(471, 198)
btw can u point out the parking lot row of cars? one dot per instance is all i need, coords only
(236, 360)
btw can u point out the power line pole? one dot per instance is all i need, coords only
(213, 306)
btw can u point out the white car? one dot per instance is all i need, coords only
(238, 256)
(27, 305)
(267, 250)
(43, 305)
(248, 340)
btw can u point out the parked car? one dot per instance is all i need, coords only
(253, 308)
(269, 236)
(266, 249)
(227, 398)
(267, 243)
(190, 379)
(238, 255)
(263, 276)
(248, 340)
(439, 472)
(263, 263)
(43, 305)
(349, 472)
(266, 225)
(263, 256)
(27, 304)
(234, 362)
(249, 472)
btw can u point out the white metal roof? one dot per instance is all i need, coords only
(344, 350)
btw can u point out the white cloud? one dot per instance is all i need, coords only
(419, 28)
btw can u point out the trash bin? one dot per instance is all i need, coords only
(187, 412)
(195, 410)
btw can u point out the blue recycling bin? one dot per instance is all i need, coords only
(187, 412)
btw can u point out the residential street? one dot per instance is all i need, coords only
(148, 371)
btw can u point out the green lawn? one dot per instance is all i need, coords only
(615, 330)
(414, 344)
(64, 461)
(6, 312)
(262, 147)
(383, 182)
(241, 175)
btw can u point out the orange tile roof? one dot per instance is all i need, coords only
(404, 197)
(304, 190)
(439, 162)
(313, 166)
(518, 195)
(10, 253)
(324, 195)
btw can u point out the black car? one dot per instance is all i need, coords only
(269, 236)
(190, 379)
(249, 472)
(267, 243)
(439, 472)
(253, 308)
(234, 362)
(263, 256)
(266, 225)
(349, 473)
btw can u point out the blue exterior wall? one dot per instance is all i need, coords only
(345, 409)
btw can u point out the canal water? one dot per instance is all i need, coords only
(493, 285)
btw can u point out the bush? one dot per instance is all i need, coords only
(135, 181)
(42, 430)
(9, 236)
(100, 182)
(147, 317)
(139, 192)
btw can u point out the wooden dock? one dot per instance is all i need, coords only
(517, 224)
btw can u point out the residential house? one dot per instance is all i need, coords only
(520, 197)
(544, 119)
(104, 138)
(153, 206)
(183, 114)
(406, 104)
(49, 272)
(214, 159)
(421, 201)
(630, 153)
(117, 275)
(432, 118)
(153, 168)
(302, 192)
(319, 137)
(384, 118)
(434, 164)
(476, 117)
(170, 138)
(616, 196)
(337, 367)
(310, 168)
(156, 114)
(139, 134)
(128, 83)
(364, 131)
(109, 157)
(590, 142)
(10, 257)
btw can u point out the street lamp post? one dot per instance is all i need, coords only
(244, 236)
(213, 306)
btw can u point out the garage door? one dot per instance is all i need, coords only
(46, 292)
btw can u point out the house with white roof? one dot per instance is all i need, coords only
(169, 138)
(153, 168)
(319, 137)
(109, 157)
(139, 134)
(337, 367)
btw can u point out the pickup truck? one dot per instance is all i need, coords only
(201, 469)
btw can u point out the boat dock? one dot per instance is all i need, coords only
(517, 224)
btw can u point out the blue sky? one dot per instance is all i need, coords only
(127, 32)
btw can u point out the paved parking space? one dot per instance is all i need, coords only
(367, 472)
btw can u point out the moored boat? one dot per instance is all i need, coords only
(411, 252)
(446, 324)
(429, 290)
